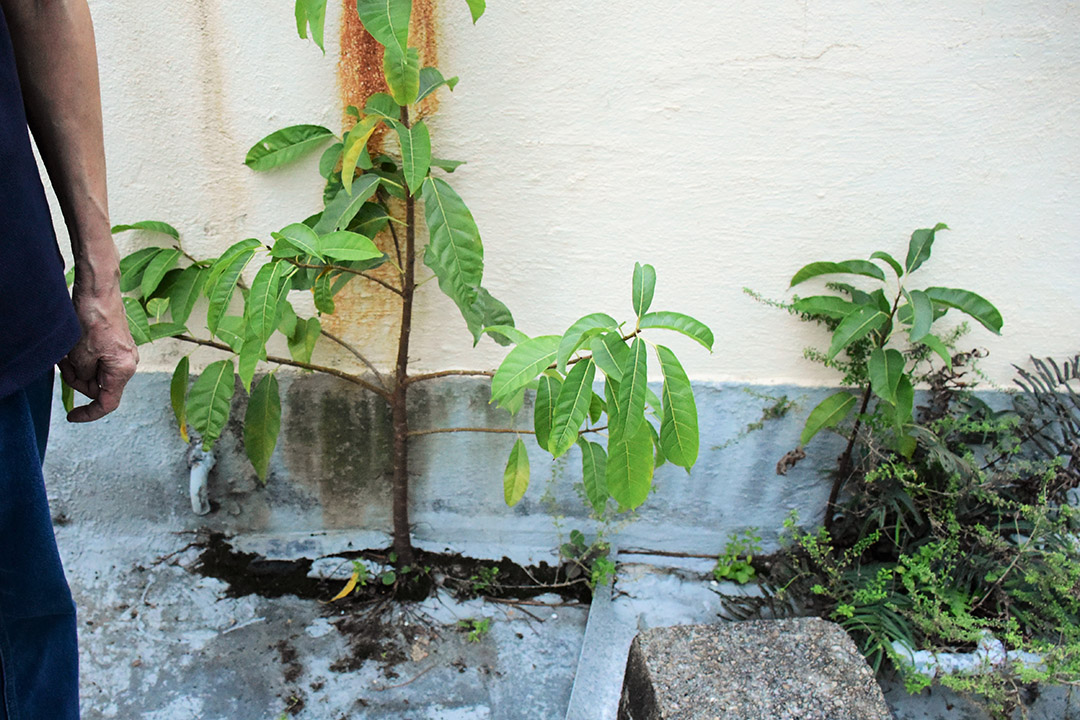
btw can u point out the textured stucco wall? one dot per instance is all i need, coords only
(725, 143)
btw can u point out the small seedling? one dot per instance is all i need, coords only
(736, 562)
(483, 579)
(476, 628)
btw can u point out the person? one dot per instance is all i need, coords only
(49, 82)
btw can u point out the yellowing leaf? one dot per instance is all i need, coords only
(349, 586)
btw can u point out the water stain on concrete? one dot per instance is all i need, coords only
(338, 443)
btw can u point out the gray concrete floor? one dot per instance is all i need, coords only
(161, 642)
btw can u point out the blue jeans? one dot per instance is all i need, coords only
(39, 664)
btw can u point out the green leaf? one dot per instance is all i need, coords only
(324, 295)
(287, 318)
(166, 329)
(348, 247)
(847, 267)
(313, 13)
(629, 469)
(302, 343)
(286, 145)
(387, 21)
(138, 323)
(596, 408)
(883, 304)
(251, 352)
(571, 407)
(155, 270)
(610, 353)
(370, 221)
(919, 246)
(688, 326)
(484, 313)
(581, 331)
(231, 329)
(632, 392)
(516, 474)
(829, 413)
(209, 401)
(234, 251)
(415, 153)
(515, 402)
(185, 291)
(151, 225)
(643, 286)
(431, 80)
(178, 395)
(935, 344)
(827, 305)
(402, 71)
(659, 458)
(679, 423)
(329, 161)
(890, 260)
(301, 237)
(156, 307)
(968, 302)
(515, 336)
(885, 368)
(264, 301)
(345, 206)
(476, 7)
(522, 365)
(594, 474)
(611, 402)
(922, 314)
(67, 396)
(134, 265)
(224, 286)
(355, 144)
(905, 401)
(447, 165)
(455, 252)
(262, 424)
(544, 408)
(854, 327)
(383, 105)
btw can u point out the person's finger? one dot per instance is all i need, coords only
(69, 371)
(108, 389)
(87, 413)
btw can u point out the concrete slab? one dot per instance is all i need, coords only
(757, 670)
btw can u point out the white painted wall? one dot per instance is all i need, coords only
(726, 143)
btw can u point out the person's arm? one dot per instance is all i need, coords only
(57, 62)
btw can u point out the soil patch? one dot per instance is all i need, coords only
(463, 577)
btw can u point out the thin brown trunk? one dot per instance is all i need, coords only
(399, 398)
(843, 473)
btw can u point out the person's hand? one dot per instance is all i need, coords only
(104, 359)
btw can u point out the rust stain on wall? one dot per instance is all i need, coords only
(360, 67)
(367, 315)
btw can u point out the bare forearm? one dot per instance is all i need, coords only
(57, 60)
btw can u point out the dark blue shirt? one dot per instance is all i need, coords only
(37, 322)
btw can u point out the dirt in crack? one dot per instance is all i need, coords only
(462, 577)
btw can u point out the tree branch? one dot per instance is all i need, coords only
(342, 268)
(574, 361)
(355, 379)
(358, 356)
(448, 373)
(397, 245)
(505, 431)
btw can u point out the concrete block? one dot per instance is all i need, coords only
(804, 668)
